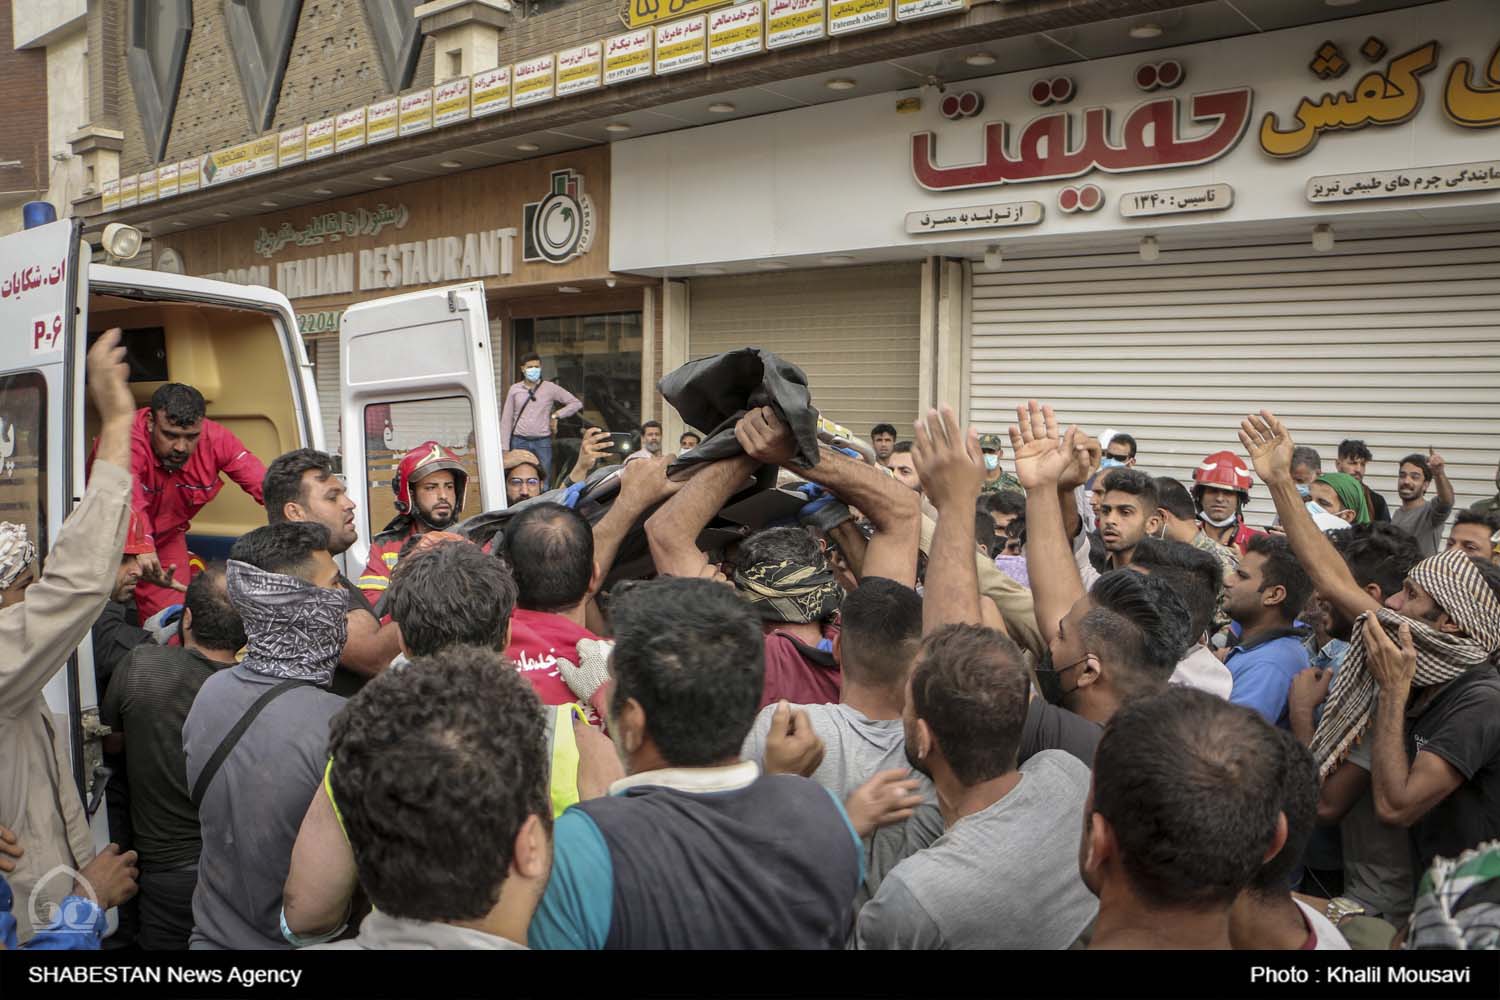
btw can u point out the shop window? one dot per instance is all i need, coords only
(393, 429)
(596, 358)
(23, 456)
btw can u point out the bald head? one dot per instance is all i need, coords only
(550, 549)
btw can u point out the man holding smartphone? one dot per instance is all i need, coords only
(532, 409)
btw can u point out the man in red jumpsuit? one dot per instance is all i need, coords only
(1221, 488)
(429, 488)
(176, 455)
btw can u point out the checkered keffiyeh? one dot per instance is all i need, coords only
(295, 630)
(17, 551)
(1458, 903)
(788, 592)
(1459, 589)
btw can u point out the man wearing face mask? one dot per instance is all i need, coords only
(532, 409)
(429, 487)
(996, 479)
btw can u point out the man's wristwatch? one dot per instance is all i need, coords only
(1341, 908)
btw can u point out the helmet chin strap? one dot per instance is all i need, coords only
(1226, 522)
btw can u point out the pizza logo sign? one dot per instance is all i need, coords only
(561, 225)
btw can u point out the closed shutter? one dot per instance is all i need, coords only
(1396, 341)
(325, 352)
(853, 330)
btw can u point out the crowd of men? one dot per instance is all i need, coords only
(944, 704)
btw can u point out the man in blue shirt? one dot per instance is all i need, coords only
(694, 848)
(1264, 597)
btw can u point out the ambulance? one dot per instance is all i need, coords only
(422, 356)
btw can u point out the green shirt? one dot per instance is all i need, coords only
(1005, 482)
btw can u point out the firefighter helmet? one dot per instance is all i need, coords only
(136, 542)
(421, 462)
(1223, 470)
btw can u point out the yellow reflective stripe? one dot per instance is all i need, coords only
(328, 790)
(389, 558)
(565, 757)
(374, 582)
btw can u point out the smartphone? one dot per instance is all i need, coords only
(621, 443)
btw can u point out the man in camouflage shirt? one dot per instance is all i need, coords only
(995, 478)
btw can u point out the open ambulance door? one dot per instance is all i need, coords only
(416, 368)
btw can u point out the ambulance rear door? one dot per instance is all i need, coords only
(416, 368)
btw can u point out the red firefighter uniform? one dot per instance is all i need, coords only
(167, 500)
(385, 548)
(1225, 470)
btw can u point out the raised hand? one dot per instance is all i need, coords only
(1269, 445)
(766, 437)
(1040, 456)
(1392, 667)
(889, 797)
(108, 378)
(644, 482)
(948, 460)
(792, 747)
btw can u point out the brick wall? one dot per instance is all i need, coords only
(561, 26)
(23, 81)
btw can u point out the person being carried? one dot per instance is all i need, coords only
(429, 487)
(532, 408)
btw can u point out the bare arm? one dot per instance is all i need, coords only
(892, 508)
(1043, 457)
(1439, 469)
(673, 530)
(1339, 791)
(643, 484)
(370, 647)
(951, 468)
(321, 882)
(1270, 446)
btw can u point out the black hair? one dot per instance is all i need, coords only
(691, 434)
(1490, 573)
(1136, 482)
(216, 624)
(1139, 626)
(1420, 461)
(882, 429)
(1354, 448)
(449, 595)
(1299, 803)
(1281, 569)
(550, 549)
(1005, 502)
(692, 655)
(649, 424)
(774, 545)
(1195, 575)
(984, 532)
(285, 547)
(970, 687)
(1378, 553)
(1017, 529)
(531, 356)
(1302, 455)
(881, 625)
(182, 405)
(1126, 440)
(283, 482)
(901, 448)
(1466, 516)
(1192, 785)
(436, 768)
(1174, 498)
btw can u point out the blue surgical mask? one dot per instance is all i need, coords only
(1111, 463)
(532, 374)
(1304, 491)
(991, 461)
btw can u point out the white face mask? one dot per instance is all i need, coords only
(1226, 522)
(992, 462)
(532, 374)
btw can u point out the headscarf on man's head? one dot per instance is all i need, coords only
(1351, 493)
(17, 551)
(294, 629)
(1459, 589)
(1458, 903)
(788, 591)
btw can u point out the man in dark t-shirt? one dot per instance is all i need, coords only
(146, 703)
(1461, 724)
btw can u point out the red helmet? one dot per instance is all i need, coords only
(136, 542)
(1223, 470)
(419, 463)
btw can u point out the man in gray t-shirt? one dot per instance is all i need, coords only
(1423, 519)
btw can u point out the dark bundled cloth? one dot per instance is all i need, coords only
(717, 391)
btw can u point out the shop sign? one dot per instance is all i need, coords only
(312, 323)
(735, 31)
(450, 102)
(416, 112)
(949, 220)
(291, 146)
(580, 69)
(1380, 98)
(381, 120)
(535, 80)
(845, 17)
(1456, 179)
(1176, 201)
(915, 10)
(190, 175)
(561, 225)
(681, 45)
(320, 139)
(638, 13)
(166, 180)
(1473, 106)
(794, 22)
(332, 227)
(258, 156)
(146, 188)
(491, 92)
(628, 56)
(109, 195)
(349, 130)
(128, 190)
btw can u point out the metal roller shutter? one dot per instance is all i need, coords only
(1396, 341)
(853, 330)
(325, 351)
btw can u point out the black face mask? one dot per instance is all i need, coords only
(1049, 679)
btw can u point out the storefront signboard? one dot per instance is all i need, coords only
(794, 22)
(1456, 179)
(382, 120)
(628, 56)
(580, 69)
(681, 45)
(1015, 213)
(535, 80)
(491, 91)
(736, 31)
(450, 102)
(1176, 201)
